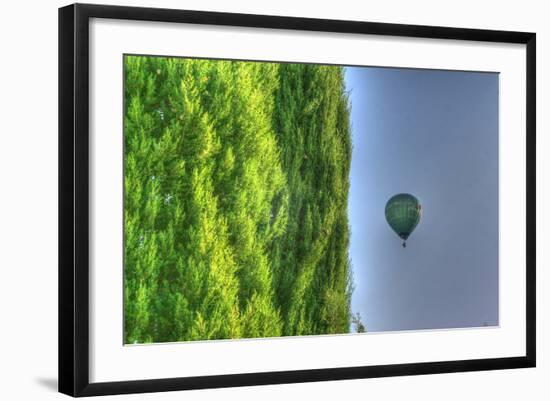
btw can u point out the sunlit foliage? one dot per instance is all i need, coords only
(236, 183)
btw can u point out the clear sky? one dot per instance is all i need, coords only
(433, 134)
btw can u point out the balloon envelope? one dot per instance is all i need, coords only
(403, 213)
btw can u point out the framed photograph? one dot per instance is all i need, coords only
(250, 199)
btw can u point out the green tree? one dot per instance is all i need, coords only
(358, 324)
(235, 207)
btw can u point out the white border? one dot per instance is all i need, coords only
(111, 361)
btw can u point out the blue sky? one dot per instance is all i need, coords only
(433, 134)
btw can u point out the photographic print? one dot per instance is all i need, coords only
(270, 199)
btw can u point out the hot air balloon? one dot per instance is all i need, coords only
(403, 213)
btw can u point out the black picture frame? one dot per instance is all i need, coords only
(74, 198)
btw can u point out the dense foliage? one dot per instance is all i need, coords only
(235, 207)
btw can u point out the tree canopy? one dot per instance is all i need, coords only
(236, 180)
